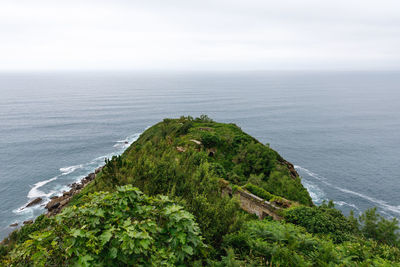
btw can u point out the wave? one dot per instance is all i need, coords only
(70, 169)
(380, 203)
(35, 192)
(310, 173)
(383, 204)
(316, 193)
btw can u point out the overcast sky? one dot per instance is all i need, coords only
(199, 35)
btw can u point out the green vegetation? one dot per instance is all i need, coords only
(374, 226)
(322, 220)
(113, 229)
(258, 191)
(181, 166)
(272, 243)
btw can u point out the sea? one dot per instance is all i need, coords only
(341, 130)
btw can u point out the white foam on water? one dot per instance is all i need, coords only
(380, 203)
(123, 144)
(118, 145)
(70, 169)
(310, 173)
(35, 192)
(317, 194)
(29, 211)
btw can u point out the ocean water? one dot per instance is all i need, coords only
(340, 129)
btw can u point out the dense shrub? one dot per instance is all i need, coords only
(209, 140)
(272, 243)
(258, 191)
(322, 220)
(218, 169)
(113, 229)
(280, 183)
(378, 228)
(254, 158)
(184, 129)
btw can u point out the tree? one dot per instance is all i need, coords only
(377, 227)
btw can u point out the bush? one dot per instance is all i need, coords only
(272, 243)
(184, 129)
(209, 140)
(322, 220)
(218, 170)
(203, 118)
(281, 184)
(378, 228)
(114, 229)
(258, 191)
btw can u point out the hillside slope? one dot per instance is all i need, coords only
(191, 161)
(166, 155)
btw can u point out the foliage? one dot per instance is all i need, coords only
(203, 118)
(378, 228)
(322, 220)
(272, 243)
(280, 183)
(258, 191)
(23, 234)
(327, 220)
(112, 170)
(184, 129)
(120, 228)
(154, 165)
(209, 140)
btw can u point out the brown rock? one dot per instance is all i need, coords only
(34, 202)
(53, 204)
(28, 222)
(64, 202)
(292, 170)
(13, 224)
(91, 176)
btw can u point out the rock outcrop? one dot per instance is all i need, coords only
(292, 170)
(57, 203)
(34, 202)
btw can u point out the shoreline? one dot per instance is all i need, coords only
(57, 203)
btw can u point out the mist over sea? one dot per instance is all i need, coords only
(340, 129)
